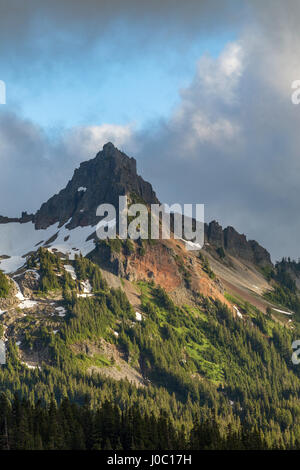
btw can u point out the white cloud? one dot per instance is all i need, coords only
(89, 139)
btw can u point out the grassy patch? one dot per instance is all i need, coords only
(98, 360)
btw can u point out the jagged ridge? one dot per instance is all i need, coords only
(236, 244)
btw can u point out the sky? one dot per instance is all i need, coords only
(199, 92)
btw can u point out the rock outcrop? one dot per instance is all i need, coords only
(236, 244)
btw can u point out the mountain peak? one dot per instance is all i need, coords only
(100, 180)
(109, 146)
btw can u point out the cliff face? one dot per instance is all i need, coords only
(101, 180)
(236, 244)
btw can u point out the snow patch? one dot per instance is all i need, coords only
(192, 245)
(138, 316)
(71, 271)
(19, 294)
(30, 366)
(27, 304)
(82, 188)
(282, 311)
(87, 288)
(61, 311)
(238, 312)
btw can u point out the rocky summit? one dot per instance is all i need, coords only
(101, 180)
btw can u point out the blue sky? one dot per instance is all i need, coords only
(105, 84)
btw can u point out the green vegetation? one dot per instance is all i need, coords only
(284, 291)
(5, 285)
(206, 267)
(128, 247)
(218, 381)
(86, 270)
(115, 244)
(72, 427)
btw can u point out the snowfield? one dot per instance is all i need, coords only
(18, 240)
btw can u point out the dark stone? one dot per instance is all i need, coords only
(109, 175)
(236, 244)
(107, 259)
(215, 234)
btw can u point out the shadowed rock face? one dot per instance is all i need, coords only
(102, 180)
(215, 234)
(236, 244)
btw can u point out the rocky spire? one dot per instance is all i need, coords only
(100, 180)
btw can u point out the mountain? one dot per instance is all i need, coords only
(102, 180)
(66, 224)
(146, 332)
(65, 221)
